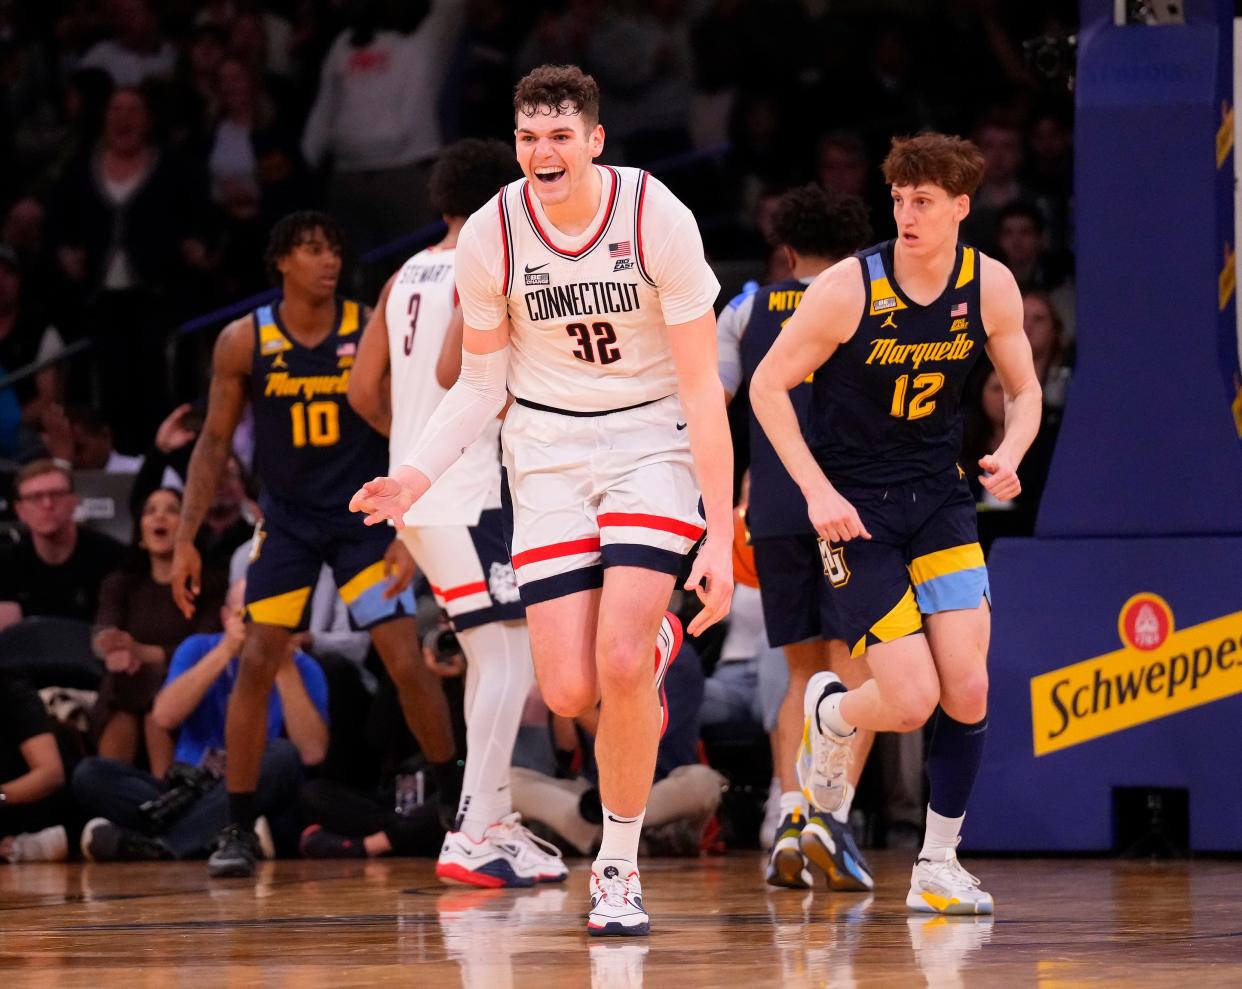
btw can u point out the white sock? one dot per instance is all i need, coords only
(940, 839)
(794, 800)
(499, 674)
(842, 814)
(830, 715)
(621, 836)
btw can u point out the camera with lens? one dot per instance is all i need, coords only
(186, 784)
(1051, 56)
(442, 643)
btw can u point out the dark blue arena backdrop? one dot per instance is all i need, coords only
(1116, 655)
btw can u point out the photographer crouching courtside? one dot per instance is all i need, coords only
(135, 816)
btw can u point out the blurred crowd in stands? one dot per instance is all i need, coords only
(147, 146)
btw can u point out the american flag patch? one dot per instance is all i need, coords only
(958, 310)
(621, 249)
(346, 350)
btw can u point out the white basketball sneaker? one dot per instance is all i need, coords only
(945, 887)
(616, 900)
(507, 855)
(786, 863)
(537, 859)
(824, 756)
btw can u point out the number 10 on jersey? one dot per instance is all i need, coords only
(318, 422)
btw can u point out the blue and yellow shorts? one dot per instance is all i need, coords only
(290, 548)
(923, 557)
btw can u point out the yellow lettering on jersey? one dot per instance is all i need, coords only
(785, 300)
(282, 384)
(887, 350)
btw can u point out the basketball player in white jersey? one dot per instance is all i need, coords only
(585, 292)
(456, 531)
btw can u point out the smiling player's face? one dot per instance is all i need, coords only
(555, 152)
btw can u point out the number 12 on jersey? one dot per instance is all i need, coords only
(921, 404)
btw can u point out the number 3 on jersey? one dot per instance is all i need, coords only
(596, 343)
(320, 422)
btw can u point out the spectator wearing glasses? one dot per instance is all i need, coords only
(56, 566)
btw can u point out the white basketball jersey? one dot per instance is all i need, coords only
(589, 314)
(420, 307)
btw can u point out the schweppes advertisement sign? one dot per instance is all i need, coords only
(1160, 671)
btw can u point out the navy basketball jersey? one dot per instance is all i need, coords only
(312, 450)
(886, 405)
(777, 507)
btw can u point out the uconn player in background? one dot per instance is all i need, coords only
(891, 335)
(292, 360)
(456, 531)
(585, 292)
(814, 230)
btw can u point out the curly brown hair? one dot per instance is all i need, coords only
(953, 163)
(561, 90)
(820, 224)
(468, 173)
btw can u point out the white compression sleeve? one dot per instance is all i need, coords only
(475, 399)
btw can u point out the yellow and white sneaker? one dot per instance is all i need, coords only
(945, 887)
(824, 756)
(786, 863)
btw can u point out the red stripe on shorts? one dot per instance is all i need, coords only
(460, 591)
(675, 526)
(571, 548)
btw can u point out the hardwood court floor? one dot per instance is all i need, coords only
(331, 924)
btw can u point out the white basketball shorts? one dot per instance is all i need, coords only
(596, 491)
(468, 568)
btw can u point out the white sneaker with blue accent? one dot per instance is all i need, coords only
(617, 900)
(945, 887)
(824, 756)
(787, 863)
(830, 846)
(536, 859)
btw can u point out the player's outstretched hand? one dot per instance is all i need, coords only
(382, 500)
(187, 576)
(834, 518)
(999, 477)
(399, 568)
(711, 579)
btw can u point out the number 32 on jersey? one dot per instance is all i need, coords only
(596, 344)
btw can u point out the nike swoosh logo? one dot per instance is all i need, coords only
(681, 425)
(529, 269)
